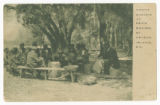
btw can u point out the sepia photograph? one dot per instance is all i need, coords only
(68, 52)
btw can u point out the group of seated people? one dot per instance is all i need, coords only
(34, 57)
(40, 57)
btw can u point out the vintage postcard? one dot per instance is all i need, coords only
(79, 52)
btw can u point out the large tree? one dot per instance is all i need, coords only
(56, 21)
(113, 20)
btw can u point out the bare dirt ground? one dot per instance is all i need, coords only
(25, 89)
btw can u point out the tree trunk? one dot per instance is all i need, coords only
(102, 34)
(113, 39)
(115, 36)
(111, 36)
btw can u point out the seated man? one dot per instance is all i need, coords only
(110, 58)
(67, 60)
(33, 60)
(6, 54)
(13, 61)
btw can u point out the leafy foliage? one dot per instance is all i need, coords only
(59, 22)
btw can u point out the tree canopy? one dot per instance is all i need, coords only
(58, 22)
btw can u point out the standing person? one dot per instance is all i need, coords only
(71, 55)
(46, 54)
(22, 54)
(110, 57)
(82, 56)
(63, 57)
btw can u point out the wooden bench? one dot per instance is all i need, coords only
(69, 68)
(125, 59)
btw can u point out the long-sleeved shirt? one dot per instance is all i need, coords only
(32, 59)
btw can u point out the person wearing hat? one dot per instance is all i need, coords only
(22, 54)
(33, 60)
(46, 54)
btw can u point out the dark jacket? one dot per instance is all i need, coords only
(22, 57)
(111, 55)
(46, 54)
